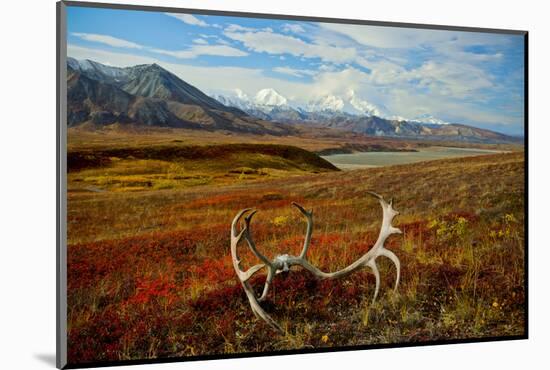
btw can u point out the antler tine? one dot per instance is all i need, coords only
(374, 268)
(376, 195)
(245, 275)
(251, 243)
(385, 205)
(236, 220)
(388, 214)
(387, 253)
(258, 310)
(386, 230)
(235, 239)
(309, 217)
(270, 268)
(268, 280)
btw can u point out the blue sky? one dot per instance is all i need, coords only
(458, 77)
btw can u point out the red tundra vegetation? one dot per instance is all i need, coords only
(150, 273)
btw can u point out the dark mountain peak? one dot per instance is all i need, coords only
(154, 67)
(153, 81)
(148, 94)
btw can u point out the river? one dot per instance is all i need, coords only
(379, 159)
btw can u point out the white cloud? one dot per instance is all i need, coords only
(218, 39)
(293, 27)
(362, 105)
(275, 43)
(439, 77)
(200, 47)
(339, 82)
(454, 50)
(237, 28)
(200, 41)
(386, 37)
(189, 19)
(328, 102)
(295, 72)
(327, 68)
(197, 50)
(383, 37)
(107, 40)
(451, 79)
(442, 45)
(384, 72)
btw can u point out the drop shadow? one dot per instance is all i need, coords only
(46, 358)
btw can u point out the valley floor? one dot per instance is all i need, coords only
(150, 274)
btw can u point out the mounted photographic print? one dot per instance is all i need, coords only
(236, 184)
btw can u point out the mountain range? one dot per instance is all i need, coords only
(150, 95)
(352, 114)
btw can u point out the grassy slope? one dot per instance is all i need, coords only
(159, 167)
(150, 276)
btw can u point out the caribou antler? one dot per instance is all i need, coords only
(244, 276)
(285, 262)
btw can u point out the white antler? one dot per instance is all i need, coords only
(244, 276)
(285, 262)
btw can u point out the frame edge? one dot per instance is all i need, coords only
(290, 17)
(61, 190)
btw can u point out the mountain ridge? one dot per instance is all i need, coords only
(150, 95)
(319, 113)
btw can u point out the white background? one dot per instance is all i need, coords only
(27, 182)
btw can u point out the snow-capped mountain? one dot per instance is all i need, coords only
(270, 104)
(237, 99)
(351, 112)
(269, 98)
(97, 70)
(428, 119)
(267, 104)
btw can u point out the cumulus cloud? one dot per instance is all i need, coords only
(362, 105)
(265, 41)
(451, 79)
(327, 102)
